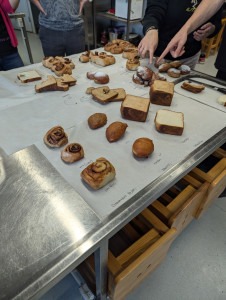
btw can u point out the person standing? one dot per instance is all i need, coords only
(9, 56)
(61, 28)
(163, 19)
(220, 62)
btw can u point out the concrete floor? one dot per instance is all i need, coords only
(195, 267)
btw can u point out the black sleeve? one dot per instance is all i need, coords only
(216, 20)
(154, 13)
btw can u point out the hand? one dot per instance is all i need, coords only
(176, 45)
(39, 6)
(82, 3)
(204, 31)
(149, 43)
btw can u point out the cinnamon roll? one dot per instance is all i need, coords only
(72, 153)
(55, 137)
(99, 173)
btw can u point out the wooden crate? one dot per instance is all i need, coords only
(211, 171)
(178, 206)
(134, 252)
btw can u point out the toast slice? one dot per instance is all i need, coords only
(61, 86)
(169, 122)
(103, 94)
(68, 79)
(121, 95)
(193, 87)
(48, 85)
(135, 108)
(29, 76)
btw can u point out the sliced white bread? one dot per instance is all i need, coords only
(48, 85)
(103, 94)
(170, 122)
(29, 76)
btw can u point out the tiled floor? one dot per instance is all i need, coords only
(195, 267)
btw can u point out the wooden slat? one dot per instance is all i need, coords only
(158, 224)
(180, 199)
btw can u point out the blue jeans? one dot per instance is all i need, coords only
(11, 61)
(61, 43)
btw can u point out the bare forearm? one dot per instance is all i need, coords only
(205, 10)
(14, 3)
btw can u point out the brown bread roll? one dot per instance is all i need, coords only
(143, 147)
(97, 120)
(115, 131)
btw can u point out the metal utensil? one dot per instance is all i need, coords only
(216, 88)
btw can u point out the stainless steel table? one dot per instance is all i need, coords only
(47, 228)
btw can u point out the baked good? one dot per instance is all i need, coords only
(84, 57)
(157, 76)
(132, 64)
(89, 90)
(121, 95)
(48, 61)
(143, 147)
(69, 62)
(108, 46)
(68, 79)
(115, 131)
(157, 64)
(103, 94)
(47, 85)
(135, 108)
(101, 78)
(222, 100)
(116, 49)
(56, 137)
(144, 73)
(97, 120)
(102, 58)
(175, 73)
(184, 69)
(61, 68)
(98, 173)
(175, 64)
(72, 153)
(136, 79)
(164, 67)
(170, 122)
(193, 87)
(90, 75)
(130, 53)
(161, 92)
(29, 76)
(61, 86)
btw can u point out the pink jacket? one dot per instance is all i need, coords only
(6, 8)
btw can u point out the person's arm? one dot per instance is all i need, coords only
(205, 10)
(14, 3)
(152, 21)
(39, 6)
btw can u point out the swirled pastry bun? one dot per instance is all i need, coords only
(98, 173)
(56, 137)
(72, 153)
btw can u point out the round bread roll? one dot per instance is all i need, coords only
(144, 73)
(164, 67)
(184, 69)
(175, 64)
(133, 63)
(72, 153)
(115, 131)
(84, 57)
(143, 147)
(56, 137)
(97, 120)
(175, 73)
(136, 79)
(116, 49)
(101, 78)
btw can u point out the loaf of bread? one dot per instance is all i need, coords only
(55, 137)
(170, 122)
(135, 108)
(193, 87)
(161, 92)
(98, 173)
(29, 76)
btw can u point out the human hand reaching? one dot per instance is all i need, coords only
(39, 6)
(204, 31)
(148, 44)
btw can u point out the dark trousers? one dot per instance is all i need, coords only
(11, 61)
(61, 43)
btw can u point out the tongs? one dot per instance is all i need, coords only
(216, 88)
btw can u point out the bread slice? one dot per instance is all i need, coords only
(48, 85)
(222, 100)
(103, 94)
(193, 87)
(61, 86)
(68, 79)
(29, 76)
(121, 95)
(170, 122)
(161, 92)
(135, 108)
